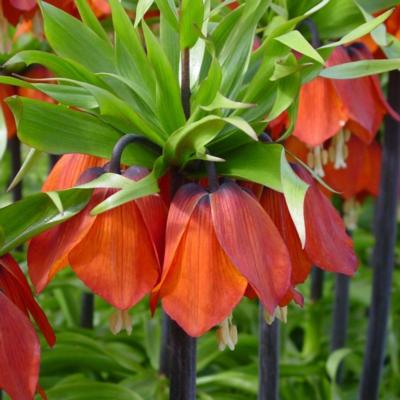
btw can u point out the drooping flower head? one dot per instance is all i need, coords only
(216, 244)
(117, 254)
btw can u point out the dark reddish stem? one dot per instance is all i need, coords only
(14, 146)
(383, 254)
(268, 375)
(87, 310)
(317, 284)
(178, 352)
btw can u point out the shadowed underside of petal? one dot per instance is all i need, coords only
(203, 286)
(252, 242)
(19, 352)
(275, 205)
(68, 169)
(179, 214)
(153, 211)
(48, 252)
(321, 113)
(350, 180)
(328, 246)
(116, 258)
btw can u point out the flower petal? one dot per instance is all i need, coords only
(153, 211)
(321, 113)
(275, 205)
(252, 242)
(19, 352)
(48, 252)
(200, 273)
(24, 291)
(116, 257)
(68, 169)
(7, 91)
(328, 246)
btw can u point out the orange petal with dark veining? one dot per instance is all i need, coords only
(275, 205)
(68, 169)
(116, 257)
(202, 286)
(252, 242)
(327, 244)
(321, 112)
(48, 252)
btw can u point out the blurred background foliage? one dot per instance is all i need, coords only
(94, 364)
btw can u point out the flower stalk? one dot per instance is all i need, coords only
(383, 254)
(15, 151)
(268, 359)
(87, 310)
(178, 350)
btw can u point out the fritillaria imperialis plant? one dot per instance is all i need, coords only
(181, 105)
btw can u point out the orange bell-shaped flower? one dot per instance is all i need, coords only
(327, 244)
(117, 254)
(217, 243)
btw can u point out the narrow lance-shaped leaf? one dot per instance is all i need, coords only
(169, 104)
(131, 59)
(90, 19)
(70, 38)
(60, 66)
(296, 41)
(361, 31)
(358, 69)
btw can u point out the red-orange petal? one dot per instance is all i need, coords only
(116, 257)
(252, 242)
(351, 180)
(321, 112)
(275, 205)
(68, 169)
(202, 286)
(7, 91)
(19, 352)
(327, 244)
(48, 252)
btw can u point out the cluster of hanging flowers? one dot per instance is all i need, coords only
(336, 129)
(229, 240)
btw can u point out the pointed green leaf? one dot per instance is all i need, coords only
(55, 198)
(193, 137)
(243, 125)
(296, 41)
(30, 160)
(59, 66)
(358, 69)
(26, 218)
(141, 9)
(169, 106)
(220, 101)
(90, 19)
(294, 190)
(168, 10)
(131, 59)
(361, 31)
(70, 38)
(145, 187)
